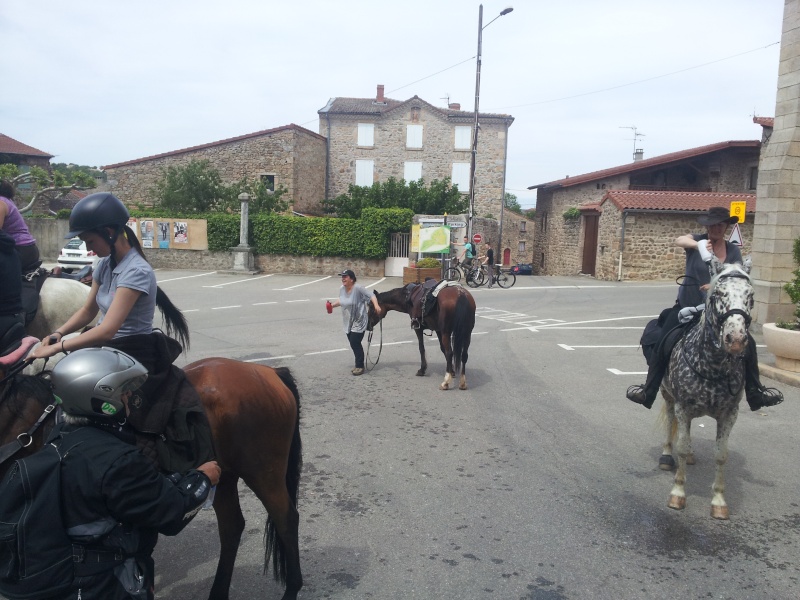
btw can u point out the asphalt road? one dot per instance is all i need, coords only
(538, 482)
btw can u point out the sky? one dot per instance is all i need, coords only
(96, 83)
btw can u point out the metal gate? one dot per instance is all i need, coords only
(398, 254)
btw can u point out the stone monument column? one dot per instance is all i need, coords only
(243, 260)
(777, 219)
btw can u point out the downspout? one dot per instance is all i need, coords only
(621, 245)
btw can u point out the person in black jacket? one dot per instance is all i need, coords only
(115, 502)
(12, 318)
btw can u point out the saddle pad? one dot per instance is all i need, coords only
(443, 284)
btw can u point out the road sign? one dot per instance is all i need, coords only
(738, 209)
(477, 238)
(456, 224)
(736, 236)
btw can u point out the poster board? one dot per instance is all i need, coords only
(178, 234)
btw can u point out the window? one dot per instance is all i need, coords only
(522, 226)
(463, 137)
(268, 181)
(522, 247)
(412, 171)
(461, 176)
(752, 178)
(413, 136)
(364, 172)
(366, 134)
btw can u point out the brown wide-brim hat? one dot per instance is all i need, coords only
(717, 214)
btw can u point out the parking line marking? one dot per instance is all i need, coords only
(376, 283)
(618, 372)
(219, 285)
(302, 284)
(325, 351)
(252, 360)
(187, 277)
(263, 303)
(291, 301)
(565, 347)
(224, 307)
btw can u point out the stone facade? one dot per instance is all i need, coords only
(778, 217)
(680, 185)
(339, 122)
(294, 156)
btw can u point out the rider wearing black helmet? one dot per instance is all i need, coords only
(125, 293)
(115, 503)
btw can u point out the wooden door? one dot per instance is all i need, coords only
(591, 225)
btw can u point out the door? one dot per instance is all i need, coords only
(506, 257)
(591, 224)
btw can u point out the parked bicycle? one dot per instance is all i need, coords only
(472, 275)
(505, 279)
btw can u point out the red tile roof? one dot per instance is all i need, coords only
(647, 163)
(368, 106)
(212, 144)
(764, 121)
(642, 200)
(9, 145)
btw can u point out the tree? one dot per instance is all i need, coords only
(43, 185)
(530, 213)
(438, 198)
(511, 203)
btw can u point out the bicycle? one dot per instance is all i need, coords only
(505, 279)
(472, 275)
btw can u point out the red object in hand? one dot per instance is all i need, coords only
(329, 306)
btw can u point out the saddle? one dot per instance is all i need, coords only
(422, 298)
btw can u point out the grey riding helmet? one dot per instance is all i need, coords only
(96, 211)
(90, 382)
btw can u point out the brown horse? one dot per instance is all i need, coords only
(452, 318)
(254, 412)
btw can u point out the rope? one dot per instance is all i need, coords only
(367, 361)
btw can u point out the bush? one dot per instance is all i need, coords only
(428, 263)
(572, 213)
(793, 289)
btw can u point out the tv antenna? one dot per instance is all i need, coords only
(636, 136)
(446, 98)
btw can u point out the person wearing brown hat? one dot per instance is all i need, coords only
(700, 248)
(353, 299)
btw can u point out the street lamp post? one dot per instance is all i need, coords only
(473, 157)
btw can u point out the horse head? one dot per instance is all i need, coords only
(728, 306)
(373, 316)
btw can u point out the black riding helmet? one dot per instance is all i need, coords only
(97, 211)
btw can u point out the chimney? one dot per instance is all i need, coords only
(454, 106)
(380, 94)
(638, 155)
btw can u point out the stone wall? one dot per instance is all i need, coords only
(437, 154)
(295, 156)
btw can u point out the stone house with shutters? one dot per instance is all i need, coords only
(290, 156)
(628, 217)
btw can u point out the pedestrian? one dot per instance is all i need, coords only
(12, 223)
(489, 260)
(700, 248)
(353, 299)
(114, 501)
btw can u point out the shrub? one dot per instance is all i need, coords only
(428, 263)
(572, 213)
(793, 289)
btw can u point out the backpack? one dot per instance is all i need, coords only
(36, 555)
(472, 249)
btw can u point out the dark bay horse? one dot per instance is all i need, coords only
(254, 412)
(452, 318)
(706, 377)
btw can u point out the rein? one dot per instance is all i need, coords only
(367, 360)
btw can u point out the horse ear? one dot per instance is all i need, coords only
(748, 263)
(375, 292)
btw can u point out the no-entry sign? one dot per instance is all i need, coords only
(477, 238)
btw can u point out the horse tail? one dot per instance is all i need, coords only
(273, 544)
(177, 327)
(460, 332)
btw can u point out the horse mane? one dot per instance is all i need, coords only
(19, 388)
(177, 327)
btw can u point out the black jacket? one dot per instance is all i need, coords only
(115, 503)
(10, 278)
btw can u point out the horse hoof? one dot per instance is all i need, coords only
(420, 373)
(690, 459)
(677, 502)
(666, 462)
(719, 512)
(463, 386)
(444, 386)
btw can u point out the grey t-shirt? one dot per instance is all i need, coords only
(135, 273)
(354, 308)
(697, 274)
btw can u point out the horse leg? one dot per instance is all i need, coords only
(447, 350)
(423, 365)
(719, 508)
(666, 462)
(230, 524)
(270, 487)
(677, 498)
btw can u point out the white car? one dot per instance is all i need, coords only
(75, 256)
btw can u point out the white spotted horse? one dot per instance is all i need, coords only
(706, 377)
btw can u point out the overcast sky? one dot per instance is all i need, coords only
(97, 83)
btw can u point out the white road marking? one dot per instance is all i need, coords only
(187, 277)
(376, 283)
(252, 360)
(565, 347)
(225, 307)
(263, 303)
(302, 284)
(293, 301)
(325, 351)
(219, 285)
(618, 372)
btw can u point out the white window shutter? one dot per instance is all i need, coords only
(366, 134)
(413, 136)
(461, 177)
(463, 137)
(412, 171)
(364, 172)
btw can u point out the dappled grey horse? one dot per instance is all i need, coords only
(706, 377)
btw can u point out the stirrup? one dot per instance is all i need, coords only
(415, 324)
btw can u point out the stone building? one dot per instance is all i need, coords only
(290, 156)
(619, 223)
(372, 139)
(22, 155)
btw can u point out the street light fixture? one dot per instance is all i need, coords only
(481, 27)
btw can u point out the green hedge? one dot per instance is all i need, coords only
(367, 237)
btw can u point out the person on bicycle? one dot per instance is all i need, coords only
(468, 253)
(489, 260)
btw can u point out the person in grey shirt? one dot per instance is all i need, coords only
(692, 292)
(353, 299)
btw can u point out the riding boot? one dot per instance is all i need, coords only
(758, 396)
(646, 394)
